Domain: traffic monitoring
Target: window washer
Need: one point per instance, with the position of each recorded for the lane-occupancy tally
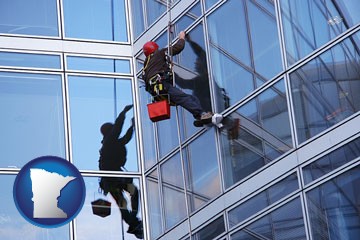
(158, 77)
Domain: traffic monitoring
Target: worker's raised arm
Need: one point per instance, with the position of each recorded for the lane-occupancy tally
(179, 45)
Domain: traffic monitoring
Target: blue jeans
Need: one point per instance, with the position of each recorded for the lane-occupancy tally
(189, 102)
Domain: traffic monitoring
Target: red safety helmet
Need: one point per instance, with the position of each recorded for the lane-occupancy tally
(106, 128)
(150, 47)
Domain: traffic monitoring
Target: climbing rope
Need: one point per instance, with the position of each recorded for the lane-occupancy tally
(169, 31)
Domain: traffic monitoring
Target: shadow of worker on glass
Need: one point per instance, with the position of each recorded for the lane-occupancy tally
(199, 85)
(112, 158)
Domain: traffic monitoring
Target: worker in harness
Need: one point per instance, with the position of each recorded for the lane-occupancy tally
(158, 77)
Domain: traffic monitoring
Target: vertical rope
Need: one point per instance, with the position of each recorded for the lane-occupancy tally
(115, 102)
(169, 30)
(183, 167)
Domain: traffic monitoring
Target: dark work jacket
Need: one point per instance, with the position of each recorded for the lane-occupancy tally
(156, 62)
(113, 151)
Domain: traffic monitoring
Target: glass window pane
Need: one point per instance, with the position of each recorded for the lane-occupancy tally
(30, 17)
(14, 226)
(148, 131)
(310, 24)
(334, 207)
(325, 91)
(172, 172)
(187, 127)
(256, 134)
(173, 191)
(98, 64)
(30, 60)
(268, 5)
(188, 18)
(212, 230)
(90, 226)
(137, 17)
(192, 77)
(154, 211)
(231, 80)
(262, 200)
(248, 209)
(174, 205)
(98, 20)
(332, 161)
(251, 52)
(202, 170)
(154, 9)
(123, 97)
(210, 3)
(168, 136)
(283, 188)
(193, 74)
(235, 44)
(264, 40)
(93, 102)
(32, 117)
(287, 222)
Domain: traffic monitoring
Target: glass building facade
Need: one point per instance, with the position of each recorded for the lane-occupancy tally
(288, 71)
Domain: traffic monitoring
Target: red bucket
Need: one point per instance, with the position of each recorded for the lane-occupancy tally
(159, 110)
(101, 207)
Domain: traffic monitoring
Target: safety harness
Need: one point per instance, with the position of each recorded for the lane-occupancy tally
(155, 84)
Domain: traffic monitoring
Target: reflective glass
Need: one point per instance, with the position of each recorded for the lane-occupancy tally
(30, 17)
(334, 207)
(94, 101)
(233, 44)
(188, 18)
(211, 231)
(202, 170)
(231, 81)
(248, 208)
(168, 137)
(13, 59)
(326, 90)
(238, 56)
(173, 191)
(264, 39)
(283, 188)
(210, 3)
(332, 161)
(14, 226)
(32, 122)
(148, 132)
(262, 200)
(98, 20)
(255, 134)
(98, 64)
(192, 76)
(309, 24)
(267, 4)
(138, 21)
(154, 209)
(284, 223)
(139, 65)
(154, 9)
(90, 225)
(228, 57)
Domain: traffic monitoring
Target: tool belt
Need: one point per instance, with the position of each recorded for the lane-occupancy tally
(156, 87)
